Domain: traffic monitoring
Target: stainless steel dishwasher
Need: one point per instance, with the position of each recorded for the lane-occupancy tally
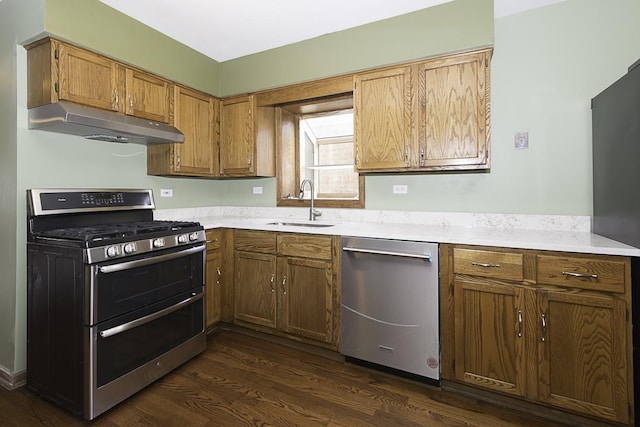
(390, 304)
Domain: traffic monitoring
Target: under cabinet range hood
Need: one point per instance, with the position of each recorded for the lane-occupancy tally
(92, 123)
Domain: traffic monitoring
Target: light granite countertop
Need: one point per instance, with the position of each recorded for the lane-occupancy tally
(540, 232)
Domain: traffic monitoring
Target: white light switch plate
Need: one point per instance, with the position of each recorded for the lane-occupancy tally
(166, 192)
(257, 190)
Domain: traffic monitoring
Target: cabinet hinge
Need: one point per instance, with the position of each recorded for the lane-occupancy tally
(55, 87)
(56, 54)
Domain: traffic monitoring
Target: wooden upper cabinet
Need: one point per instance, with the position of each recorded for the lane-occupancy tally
(196, 115)
(59, 71)
(452, 112)
(430, 115)
(247, 138)
(87, 78)
(147, 96)
(383, 119)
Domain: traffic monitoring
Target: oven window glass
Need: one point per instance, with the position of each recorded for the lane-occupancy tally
(127, 290)
(121, 353)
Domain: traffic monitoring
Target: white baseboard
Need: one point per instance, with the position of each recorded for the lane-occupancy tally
(11, 380)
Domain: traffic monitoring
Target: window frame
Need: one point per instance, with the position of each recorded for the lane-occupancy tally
(288, 178)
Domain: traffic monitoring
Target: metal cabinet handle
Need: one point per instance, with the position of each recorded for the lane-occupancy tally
(544, 327)
(484, 264)
(219, 273)
(273, 279)
(284, 281)
(591, 276)
(519, 323)
(130, 104)
(422, 155)
(115, 92)
(212, 241)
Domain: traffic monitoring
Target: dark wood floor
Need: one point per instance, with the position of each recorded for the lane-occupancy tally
(246, 381)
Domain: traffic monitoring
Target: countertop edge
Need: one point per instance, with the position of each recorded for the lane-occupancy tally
(562, 241)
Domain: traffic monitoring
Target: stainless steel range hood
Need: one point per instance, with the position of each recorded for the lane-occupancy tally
(91, 123)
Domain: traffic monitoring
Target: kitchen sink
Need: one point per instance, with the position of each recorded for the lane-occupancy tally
(300, 224)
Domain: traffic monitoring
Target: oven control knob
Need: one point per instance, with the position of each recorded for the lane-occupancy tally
(158, 243)
(193, 236)
(113, 251)
(183, 238)
(129, 248)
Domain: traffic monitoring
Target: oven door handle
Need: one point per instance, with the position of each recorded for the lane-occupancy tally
(151, 260)
(149, 318)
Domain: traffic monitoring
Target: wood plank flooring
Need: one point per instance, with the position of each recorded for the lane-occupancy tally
(243, 380)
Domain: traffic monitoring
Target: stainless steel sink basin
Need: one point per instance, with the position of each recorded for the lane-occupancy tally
(300, 224)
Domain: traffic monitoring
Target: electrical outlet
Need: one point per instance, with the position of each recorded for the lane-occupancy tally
(399, 189)
(166, 192)
(257, 190)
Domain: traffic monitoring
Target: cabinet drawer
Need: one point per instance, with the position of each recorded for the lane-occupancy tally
(499, 265)
(299, 245)
(214, 239)
(594, 273)
(255, 241)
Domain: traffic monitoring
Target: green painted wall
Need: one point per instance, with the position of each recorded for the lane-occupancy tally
(18, 19)
(547, 65)
(94, 25)
(454, 26)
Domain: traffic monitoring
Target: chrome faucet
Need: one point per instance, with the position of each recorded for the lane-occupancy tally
(313, 213)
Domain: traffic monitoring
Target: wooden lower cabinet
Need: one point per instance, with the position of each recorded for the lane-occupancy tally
(218, 277)
(290, 295)
(582, 360)
(213, 277)
(306, 307)
(567, 345)
(255, 294)
(489, 344)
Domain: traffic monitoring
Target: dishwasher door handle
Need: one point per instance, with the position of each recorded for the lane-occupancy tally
(377, 252)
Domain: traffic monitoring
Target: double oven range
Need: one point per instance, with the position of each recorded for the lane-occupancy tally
(115, 300)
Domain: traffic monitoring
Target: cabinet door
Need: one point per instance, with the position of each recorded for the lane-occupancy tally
(237, 137)
(305, 288)
(383, 119)
(214, 286)
(582, 353)
(87, 78)
(196, 117)
(147, 96)
(255, 297)
(489, 335)
(452, 114)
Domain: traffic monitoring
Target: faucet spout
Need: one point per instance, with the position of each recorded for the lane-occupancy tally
(313, 213)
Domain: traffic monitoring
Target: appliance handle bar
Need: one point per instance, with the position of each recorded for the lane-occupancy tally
(377, 252)
(149, 318)
(151, 260)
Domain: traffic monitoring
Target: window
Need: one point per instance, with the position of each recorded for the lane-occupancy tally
(315, 141)
(326, 155)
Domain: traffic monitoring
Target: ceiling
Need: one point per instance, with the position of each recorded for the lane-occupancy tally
(228, 29)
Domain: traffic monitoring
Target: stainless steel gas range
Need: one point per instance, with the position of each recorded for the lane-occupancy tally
(115, 300)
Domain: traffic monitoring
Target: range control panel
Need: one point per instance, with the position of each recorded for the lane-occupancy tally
(45, 202)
